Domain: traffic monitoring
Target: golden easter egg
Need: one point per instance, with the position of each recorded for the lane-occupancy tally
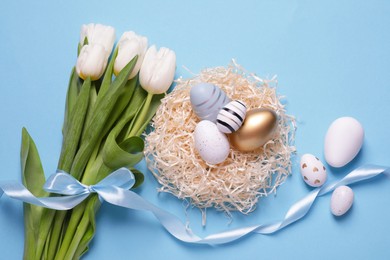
(258, 127)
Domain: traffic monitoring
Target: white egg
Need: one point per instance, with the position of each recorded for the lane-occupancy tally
(312, 170)
(231, 117)
(212, 145)
(343, 141)
(207, 100)
(341, 201)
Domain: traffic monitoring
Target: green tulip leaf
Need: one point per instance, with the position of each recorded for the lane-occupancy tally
(138, 97)
(139, 177)
(121, 104)
(71, 97)
(33, 179)
(101, 113)
(156, 101)
(125, 154)
(107, 78)
(74, 127)
(80, 46)
(110, 91)
(92, 101)
(135, 105)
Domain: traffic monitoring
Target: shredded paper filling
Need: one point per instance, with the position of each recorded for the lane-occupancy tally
(243, 178)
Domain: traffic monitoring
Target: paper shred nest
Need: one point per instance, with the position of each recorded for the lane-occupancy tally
(239, 182)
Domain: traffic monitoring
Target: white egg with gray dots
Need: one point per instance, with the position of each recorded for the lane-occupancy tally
(207, 100)
(341, 200)
(231, 117)
(212, 145)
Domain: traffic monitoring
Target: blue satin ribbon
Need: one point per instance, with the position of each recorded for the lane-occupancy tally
(114, 189)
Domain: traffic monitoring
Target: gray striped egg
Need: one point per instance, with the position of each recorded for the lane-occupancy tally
(207, 100)
(231, 117)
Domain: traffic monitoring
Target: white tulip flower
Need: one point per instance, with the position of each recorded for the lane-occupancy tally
(156, 76)
(158, 70)
(130, 45)
(91, 62)
(98, 34)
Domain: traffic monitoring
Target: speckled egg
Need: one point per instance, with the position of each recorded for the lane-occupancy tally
(313, 170)
(231, 117)
(212, 145)
(207, 100)
(341, 200)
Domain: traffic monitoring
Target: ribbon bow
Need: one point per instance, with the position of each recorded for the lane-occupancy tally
(64, 184)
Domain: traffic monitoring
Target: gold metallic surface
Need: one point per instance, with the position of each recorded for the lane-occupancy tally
(258, 127)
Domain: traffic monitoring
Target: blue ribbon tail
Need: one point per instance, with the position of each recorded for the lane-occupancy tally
(176, 228)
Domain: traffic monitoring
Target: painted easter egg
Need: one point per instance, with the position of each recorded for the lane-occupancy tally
(341, 200)
(231, 117)
(207, 100)
(312, 170)
(258, 127)
(343, 141)
(212, 145)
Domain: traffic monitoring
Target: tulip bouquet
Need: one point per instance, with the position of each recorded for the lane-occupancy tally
(112, 96)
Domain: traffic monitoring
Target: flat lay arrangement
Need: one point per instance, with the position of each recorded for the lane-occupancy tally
(216, 159)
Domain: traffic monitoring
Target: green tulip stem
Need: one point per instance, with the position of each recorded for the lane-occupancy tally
(44, 229)
(139, 120)
(91, 207)
(81, 228)
(94, 163)
(74, 222)
(56, 232)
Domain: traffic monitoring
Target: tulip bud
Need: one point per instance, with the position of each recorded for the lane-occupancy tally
(130, 45)
(157, 70)
(98, 34)
(91, 62)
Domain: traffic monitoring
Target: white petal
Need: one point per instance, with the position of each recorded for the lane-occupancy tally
(91, 61)
(158, 70)
(99, 34)
(129, 46)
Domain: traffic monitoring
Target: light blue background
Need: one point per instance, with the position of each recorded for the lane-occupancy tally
(332, 59)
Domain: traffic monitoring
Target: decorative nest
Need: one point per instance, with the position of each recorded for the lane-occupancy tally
(244, 177)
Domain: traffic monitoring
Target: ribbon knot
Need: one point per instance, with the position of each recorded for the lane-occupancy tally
(64, 184)
(91, 189)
